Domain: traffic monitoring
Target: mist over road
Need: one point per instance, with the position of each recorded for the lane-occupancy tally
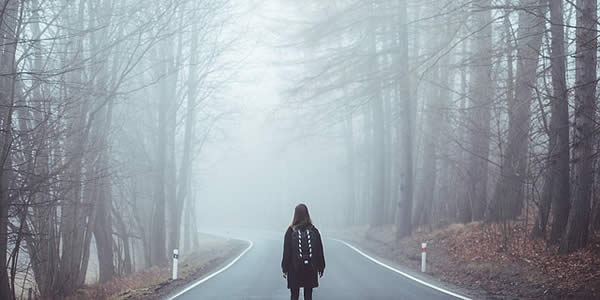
(348, 275)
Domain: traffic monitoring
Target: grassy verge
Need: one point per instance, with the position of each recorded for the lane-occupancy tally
(155, 283)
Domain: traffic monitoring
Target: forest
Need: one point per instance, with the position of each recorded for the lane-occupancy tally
(416, 114)
(460, 111)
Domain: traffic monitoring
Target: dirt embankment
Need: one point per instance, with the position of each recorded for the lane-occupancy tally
(155, 283)
(479, 258)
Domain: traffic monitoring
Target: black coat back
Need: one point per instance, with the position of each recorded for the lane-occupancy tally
(307, 279)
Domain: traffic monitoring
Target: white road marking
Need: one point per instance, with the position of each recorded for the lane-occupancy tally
(404, 274)
(214, 273)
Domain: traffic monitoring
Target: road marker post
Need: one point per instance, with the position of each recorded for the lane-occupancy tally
(195, 284)
(411, 277)
(423, 256)
(175, 259)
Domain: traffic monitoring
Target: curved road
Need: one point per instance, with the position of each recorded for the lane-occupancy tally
(348, 275)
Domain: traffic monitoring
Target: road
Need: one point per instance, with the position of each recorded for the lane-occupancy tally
(348, 275)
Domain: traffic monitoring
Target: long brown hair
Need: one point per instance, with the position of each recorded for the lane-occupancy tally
(301, 216)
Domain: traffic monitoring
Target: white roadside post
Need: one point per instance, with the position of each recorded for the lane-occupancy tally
(175, 258)
(423, 256)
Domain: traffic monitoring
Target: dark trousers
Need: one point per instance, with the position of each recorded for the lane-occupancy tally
(296, 293)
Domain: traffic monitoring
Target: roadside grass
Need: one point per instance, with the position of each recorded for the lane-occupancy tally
(156, 283)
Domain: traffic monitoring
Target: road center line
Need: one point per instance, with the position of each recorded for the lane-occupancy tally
(195, 284)
(402, 273)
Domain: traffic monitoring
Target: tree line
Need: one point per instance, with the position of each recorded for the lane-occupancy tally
(458, 111)
(105, 104)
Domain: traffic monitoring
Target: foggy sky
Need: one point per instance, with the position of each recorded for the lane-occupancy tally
(263, 166)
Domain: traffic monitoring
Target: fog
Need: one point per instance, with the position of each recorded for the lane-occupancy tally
(131, 128)
(265, 165)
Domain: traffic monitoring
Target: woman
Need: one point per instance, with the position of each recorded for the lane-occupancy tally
(303, 256)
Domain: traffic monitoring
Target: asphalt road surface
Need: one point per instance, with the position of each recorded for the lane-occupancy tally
(348, 275)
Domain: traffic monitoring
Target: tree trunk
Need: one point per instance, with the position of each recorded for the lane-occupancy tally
(431, 126)
(103, 233)
(378, 201)
(158, 234)
(43, 260)
(507, 200)
(10, 27)
(5, 292)
(387, 91)
(596, 215)
(556, 179)
(405, 204)
(103, 204)
(368, 161)
(187, 225)
(124, 235)
(190, 122)
(103, 226)
(481, 99)
(350, 161)
(75, 213)
(583, 140)
(174, 201)
(560, 105)
(464, 212)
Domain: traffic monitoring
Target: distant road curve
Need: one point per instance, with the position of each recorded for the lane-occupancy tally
(350, 274)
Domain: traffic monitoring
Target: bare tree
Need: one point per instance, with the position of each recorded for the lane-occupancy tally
(404, 101)
(576, 236)
(508, 197)
(556, 181)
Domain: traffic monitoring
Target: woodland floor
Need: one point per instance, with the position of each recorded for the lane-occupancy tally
(155, 283)
(474, 257)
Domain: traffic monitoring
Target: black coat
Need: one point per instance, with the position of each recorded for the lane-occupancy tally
(307, 279)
